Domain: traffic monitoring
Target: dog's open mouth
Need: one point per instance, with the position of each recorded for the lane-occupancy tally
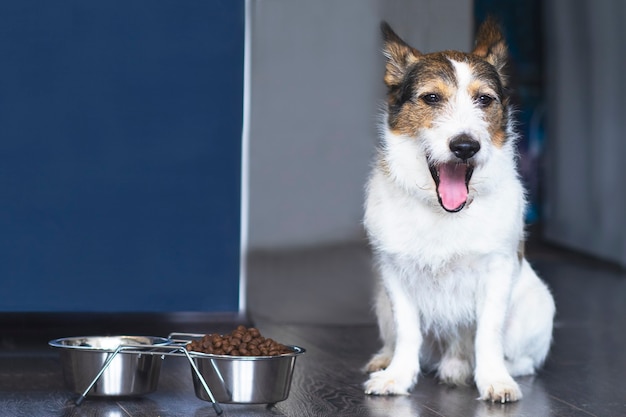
(452, 181)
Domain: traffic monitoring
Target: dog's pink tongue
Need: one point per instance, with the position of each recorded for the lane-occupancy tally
(452, 188)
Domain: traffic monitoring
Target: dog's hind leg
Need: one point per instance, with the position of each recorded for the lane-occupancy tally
(528, 331)
(387, 332)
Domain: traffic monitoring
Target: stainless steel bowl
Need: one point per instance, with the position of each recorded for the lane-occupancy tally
(245, 379)
(129, 374)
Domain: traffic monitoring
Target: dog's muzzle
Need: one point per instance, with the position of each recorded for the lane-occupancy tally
(452, 178)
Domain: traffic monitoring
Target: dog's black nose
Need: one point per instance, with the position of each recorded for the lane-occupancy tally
(464, 146)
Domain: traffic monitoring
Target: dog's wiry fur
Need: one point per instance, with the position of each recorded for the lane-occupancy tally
(444, 214)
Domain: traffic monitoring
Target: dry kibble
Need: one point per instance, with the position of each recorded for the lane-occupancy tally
(242, 341)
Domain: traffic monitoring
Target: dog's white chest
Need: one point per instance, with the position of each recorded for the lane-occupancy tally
(446, 299)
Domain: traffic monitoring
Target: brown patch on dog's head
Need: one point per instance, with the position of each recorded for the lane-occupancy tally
(406, 69)
(427, 86)
(499, 138)
(489, 82)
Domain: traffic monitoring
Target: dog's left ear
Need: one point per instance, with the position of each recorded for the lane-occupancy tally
(490, 44)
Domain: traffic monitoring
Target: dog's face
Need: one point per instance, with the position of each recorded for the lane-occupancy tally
(447, 114)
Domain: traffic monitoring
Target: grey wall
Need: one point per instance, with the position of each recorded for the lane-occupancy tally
(315, 92)
(585, 176)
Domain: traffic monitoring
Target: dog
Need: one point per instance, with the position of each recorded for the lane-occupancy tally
(444, 215)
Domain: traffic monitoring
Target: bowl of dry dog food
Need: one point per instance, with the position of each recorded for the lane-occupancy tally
(243, 367)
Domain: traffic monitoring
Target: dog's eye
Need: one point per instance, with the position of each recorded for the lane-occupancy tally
(484, 100)
(431, 98)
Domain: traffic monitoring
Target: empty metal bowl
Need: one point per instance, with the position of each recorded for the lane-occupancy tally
(129, 374)
(245, 379)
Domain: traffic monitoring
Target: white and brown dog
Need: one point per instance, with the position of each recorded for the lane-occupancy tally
(445, 217)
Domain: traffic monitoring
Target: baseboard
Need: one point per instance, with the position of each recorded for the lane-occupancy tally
(20, 328)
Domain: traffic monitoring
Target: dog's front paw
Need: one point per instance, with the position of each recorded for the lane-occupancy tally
(501, 391)
(388, 382)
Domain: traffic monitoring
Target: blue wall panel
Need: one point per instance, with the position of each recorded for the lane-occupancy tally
(120, 149)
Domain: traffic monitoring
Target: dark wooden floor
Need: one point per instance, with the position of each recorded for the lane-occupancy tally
(584, 375)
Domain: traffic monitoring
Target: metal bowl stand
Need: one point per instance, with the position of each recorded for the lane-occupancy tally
(176, 348)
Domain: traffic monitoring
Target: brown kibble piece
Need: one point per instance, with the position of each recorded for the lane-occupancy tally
(240, 342)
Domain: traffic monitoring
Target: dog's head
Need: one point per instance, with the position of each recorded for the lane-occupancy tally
(449, 110)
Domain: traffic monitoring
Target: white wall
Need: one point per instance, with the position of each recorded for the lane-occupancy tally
(315, 89)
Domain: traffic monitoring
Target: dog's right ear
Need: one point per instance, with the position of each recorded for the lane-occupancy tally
(399, 56)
